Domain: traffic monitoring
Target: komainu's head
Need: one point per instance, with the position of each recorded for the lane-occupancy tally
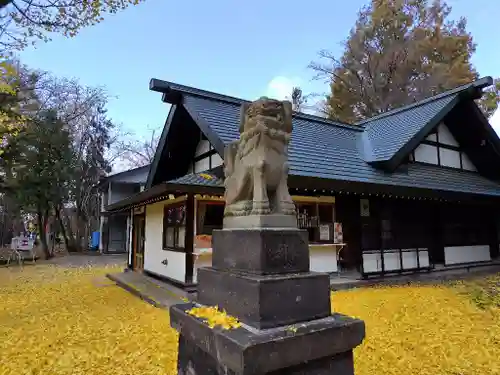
(270, 113)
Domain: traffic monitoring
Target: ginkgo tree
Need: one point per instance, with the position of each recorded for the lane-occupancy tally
(26, 22)
(399, 52)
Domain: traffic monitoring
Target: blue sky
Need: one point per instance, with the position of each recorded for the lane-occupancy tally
(239, 49)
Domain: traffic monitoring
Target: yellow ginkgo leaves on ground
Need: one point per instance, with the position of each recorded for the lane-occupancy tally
(422, 330)
(70, 321)
(73, 321)
(215, 317)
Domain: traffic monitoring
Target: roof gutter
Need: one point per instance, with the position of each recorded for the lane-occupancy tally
(160, 192)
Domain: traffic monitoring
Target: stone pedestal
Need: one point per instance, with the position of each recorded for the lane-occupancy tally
(261, 276)
(319, 347)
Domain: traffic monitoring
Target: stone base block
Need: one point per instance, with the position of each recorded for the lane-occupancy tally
(318, 347)
(260, 221)
(265, 301)
(261, 251)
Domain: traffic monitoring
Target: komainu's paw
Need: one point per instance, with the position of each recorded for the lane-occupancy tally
(287, 208)
(260, 211)
(260, 208)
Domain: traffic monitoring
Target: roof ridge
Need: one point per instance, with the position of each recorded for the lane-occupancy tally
(128, 170)
(479, 83)
(171, 88)
(167, 87)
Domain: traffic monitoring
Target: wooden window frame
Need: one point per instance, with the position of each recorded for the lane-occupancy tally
(208, 202)
(175, 225)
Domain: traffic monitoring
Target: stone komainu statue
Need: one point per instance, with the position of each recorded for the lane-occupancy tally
(256, 165)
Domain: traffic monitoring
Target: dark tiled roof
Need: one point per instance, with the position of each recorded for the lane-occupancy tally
(201, 179)
(324, 149)
(319, 149)
(391, 132)
(132, 176)
(380, 142)
(222, 117)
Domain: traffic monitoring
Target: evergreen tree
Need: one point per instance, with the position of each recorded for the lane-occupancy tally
(40, 170)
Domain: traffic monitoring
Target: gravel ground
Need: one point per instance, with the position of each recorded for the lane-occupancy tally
(82, 260)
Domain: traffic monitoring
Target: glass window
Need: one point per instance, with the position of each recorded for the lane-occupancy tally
(210, 216)
(174, 227)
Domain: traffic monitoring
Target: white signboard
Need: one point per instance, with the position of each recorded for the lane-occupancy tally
(324, 232)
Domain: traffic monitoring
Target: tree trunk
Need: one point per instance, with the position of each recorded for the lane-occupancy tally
(69, 239)
(43, 234)
(62, 228)
(80, 229)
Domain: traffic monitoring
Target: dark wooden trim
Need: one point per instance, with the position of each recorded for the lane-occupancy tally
(318, 186)
(175, 226)
(442, 145)
(161, 145)
(174, 249)
(205, 155)
(413, 143)
(162, 190)
(135, 241)
(446, 167)
(189, 240)
(207, 130)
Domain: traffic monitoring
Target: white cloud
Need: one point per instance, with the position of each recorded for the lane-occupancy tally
(280, 87)
(495, 121)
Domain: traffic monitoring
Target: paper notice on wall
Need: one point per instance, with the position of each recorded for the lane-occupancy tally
(338, 236)
(324, 232)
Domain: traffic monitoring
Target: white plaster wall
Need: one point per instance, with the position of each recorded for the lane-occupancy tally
(154, 254)
(203, 146)
(216, 160)
(392, 261)
(410, 259)
(372, 262)
(431, 137)
(426, 154)
(467, 164)
(424, 257)
(202, 165)
(466, 254)
(207, 163)
(323, 260)
(445, 136)
(449, 158)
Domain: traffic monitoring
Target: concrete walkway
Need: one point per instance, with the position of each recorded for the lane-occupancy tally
(164, 295)
(86, 259)
(431, 277)
(157, 293)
